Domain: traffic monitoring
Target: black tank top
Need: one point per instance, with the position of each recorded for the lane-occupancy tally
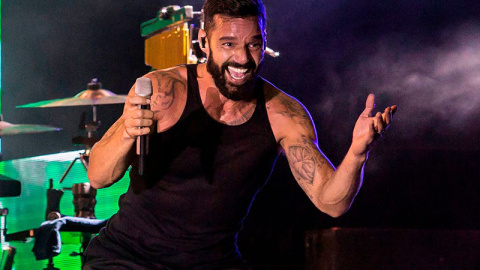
(201, 179)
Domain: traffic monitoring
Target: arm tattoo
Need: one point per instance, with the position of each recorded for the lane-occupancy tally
(302, 162)
(168, 82)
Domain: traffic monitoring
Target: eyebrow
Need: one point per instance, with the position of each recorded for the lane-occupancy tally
(227, 38)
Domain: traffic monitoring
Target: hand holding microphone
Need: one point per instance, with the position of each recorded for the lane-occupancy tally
(143, 88)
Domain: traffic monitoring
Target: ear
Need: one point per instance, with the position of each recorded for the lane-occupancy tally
(203, 41)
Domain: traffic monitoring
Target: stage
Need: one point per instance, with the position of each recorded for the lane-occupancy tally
(28, 210)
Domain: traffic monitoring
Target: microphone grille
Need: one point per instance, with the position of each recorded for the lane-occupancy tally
(143, 87)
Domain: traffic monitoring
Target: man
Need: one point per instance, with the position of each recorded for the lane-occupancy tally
(216, 130)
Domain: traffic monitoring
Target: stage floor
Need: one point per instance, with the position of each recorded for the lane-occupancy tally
(28, 210)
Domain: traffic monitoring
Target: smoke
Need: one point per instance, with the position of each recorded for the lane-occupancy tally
(435, 80)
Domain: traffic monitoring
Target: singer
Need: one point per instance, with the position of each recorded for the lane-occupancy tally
(215, 130)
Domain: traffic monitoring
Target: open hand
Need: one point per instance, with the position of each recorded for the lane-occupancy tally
(370, 128)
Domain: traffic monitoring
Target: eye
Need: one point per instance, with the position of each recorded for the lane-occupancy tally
(255, 46)
(227, 44)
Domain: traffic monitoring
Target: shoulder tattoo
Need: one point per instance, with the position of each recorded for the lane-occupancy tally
(167, 83)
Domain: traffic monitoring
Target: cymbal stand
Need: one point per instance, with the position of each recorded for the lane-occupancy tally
(7, 252)
(91, 128)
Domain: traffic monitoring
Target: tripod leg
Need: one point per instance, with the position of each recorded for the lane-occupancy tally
(8, 254)
(68, 170)
(84, 160)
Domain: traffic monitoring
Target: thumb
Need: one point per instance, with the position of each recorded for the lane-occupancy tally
(369, 105)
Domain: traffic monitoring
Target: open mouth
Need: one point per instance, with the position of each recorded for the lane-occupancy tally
(237, 74)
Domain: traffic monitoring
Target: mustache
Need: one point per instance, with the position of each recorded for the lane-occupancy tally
(249, 65)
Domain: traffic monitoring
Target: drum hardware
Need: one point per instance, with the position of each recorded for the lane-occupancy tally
(13, 129)
(93, 96)
(53, 202)
(8, 251)
(9, 187)
(50, 265)
(84, 200)
(3, 227)
(6, 260)
(84, 195)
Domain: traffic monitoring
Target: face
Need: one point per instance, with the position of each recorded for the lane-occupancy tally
(235, 55)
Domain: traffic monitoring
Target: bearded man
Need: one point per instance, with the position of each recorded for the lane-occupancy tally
(216, 130)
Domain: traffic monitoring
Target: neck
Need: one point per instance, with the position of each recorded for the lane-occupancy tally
(218, 106)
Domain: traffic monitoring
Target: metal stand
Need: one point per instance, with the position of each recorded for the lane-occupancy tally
(6, 260)
(8, 252)
(83, 158)
(50, 265)
(89, 141)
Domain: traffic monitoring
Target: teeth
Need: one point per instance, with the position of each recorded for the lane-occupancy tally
(238, 70)
(237, 73)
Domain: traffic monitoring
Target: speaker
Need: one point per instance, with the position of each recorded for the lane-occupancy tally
(346, 248)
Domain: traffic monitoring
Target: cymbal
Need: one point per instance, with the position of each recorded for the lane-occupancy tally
(12, 129)
(84, 98)
(93, 95)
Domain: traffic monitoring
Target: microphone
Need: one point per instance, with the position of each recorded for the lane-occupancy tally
(143, 88)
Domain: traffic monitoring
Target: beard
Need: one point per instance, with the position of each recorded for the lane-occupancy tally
(231, 91)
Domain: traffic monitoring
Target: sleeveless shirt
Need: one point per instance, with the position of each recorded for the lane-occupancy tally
(201, 178)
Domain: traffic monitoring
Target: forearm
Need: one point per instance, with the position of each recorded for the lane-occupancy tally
(110, 157)
(339, 190)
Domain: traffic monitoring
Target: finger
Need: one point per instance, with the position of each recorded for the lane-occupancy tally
(137, 100)
(387, 116)
(372, 133)
(369, 105)
(138, 123)
(394, 109)
(135, 132)
(135, 113)
(137, 127)
(378, 122)
(132, 122)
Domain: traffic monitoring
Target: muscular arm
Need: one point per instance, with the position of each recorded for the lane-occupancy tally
(112, 155)
(331, 190)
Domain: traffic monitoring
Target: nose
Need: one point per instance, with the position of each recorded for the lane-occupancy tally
(242, 55)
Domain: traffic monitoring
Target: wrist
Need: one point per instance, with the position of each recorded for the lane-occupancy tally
(358, 157)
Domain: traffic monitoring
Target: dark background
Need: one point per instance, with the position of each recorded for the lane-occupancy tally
(423, 56)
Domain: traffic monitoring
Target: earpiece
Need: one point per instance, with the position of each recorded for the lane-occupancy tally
(202, 42)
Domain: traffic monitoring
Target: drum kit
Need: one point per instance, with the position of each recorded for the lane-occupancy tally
(84, 195)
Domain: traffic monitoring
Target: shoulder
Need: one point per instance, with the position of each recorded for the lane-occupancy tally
(169, 95)
(169, 86)
(286, 114)
(280, 104)
(163, 79)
